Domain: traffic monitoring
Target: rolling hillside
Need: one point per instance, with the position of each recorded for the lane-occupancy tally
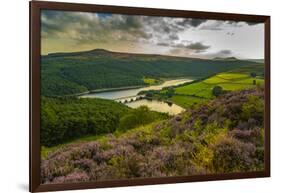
(64, 119)
(223, 136)
(200, 91)
(72, 73)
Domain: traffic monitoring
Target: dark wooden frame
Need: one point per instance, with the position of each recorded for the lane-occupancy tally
(34, 176)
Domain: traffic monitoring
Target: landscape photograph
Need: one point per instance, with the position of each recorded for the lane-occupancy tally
(135, 96)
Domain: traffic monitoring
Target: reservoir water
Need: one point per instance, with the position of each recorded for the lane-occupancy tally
(116, 94)
(159, 106)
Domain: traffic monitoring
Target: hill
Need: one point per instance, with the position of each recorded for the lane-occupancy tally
(223, 136)
(64, 119)
(257, 60)
(77, 72)
(225, 59)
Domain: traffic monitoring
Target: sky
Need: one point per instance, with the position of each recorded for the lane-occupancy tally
(66, 31)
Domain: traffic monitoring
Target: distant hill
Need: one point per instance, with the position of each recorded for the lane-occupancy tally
(225, 59)
(89, 53)
(256, 60)
(77, 72)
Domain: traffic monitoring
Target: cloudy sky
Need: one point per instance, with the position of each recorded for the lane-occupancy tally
(63, 31)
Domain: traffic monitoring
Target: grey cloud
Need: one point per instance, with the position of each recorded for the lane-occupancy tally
(198, 47)
(163, 44)
(72, 25)
(217, 25)
(122, 22)
(219, 54)
(87, 27)
(191, 22)
(180, 52)
(167, 29)
(220, 25)
(175, 51)
(190, 53)
(233, 23)
(173, 37)
(160, 25)
(197, 22)
(251, 23)
(225, 52)
(237, 22)
(230, 33)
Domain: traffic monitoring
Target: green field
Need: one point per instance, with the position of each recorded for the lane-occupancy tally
(201, 91)
(191, 89)
(151, 81)
(186, 101)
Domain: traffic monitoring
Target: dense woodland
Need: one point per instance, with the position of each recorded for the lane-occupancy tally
(221, 136)
(67, 118)
(72, 73)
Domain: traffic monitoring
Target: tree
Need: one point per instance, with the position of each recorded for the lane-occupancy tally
(253, 74)
(217, 90)
(170, 92)
(67, 118)
(139, 116)
(127, 122)
(149, 94)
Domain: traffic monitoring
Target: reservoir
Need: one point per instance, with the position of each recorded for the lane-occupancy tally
(159, 106)
(116, 94)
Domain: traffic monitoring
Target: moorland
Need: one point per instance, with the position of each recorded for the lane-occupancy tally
(220, 129)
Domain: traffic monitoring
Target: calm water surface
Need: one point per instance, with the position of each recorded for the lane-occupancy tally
(154, 105)
(159, 106)
(132, 92)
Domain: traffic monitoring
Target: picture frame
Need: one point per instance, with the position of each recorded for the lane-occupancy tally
(35, 57)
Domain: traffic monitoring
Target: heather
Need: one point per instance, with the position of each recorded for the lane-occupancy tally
(221, 136)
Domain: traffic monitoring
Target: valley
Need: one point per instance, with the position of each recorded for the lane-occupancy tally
(111, 109)
(80, 72)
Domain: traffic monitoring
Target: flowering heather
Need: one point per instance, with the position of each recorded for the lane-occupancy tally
(223, 136)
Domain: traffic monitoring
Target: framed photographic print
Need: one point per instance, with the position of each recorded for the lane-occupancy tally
(123, 96)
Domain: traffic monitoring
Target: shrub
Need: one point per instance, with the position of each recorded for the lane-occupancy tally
(253, 109)
(76, 176)
(231, 155)
(253, 74)
(128, 121)
(140, 116)
(217, 90)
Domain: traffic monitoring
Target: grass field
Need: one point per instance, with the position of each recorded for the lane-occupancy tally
(186, 101)
(191, 89)
(201, 91)
(151, 81)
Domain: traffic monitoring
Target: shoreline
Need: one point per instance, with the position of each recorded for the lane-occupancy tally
(115, 89)
(129, 87)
